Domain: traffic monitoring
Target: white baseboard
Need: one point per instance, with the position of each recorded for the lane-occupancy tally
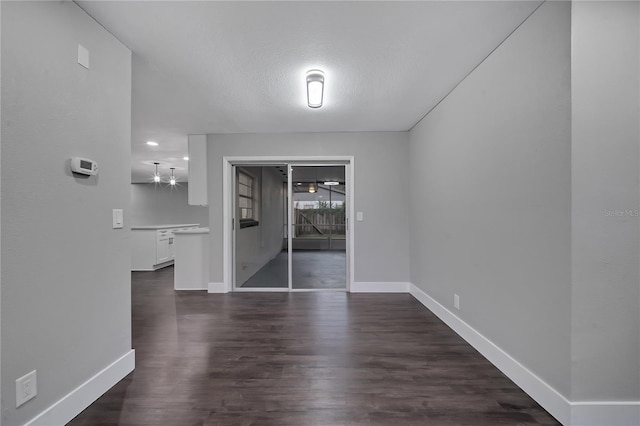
(191, 288)
(154, 267)
(379, 287)
(217, 288)
(609, 413)
(84, 395)
(549, 398)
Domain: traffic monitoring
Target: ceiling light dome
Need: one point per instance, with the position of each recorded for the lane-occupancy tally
(315, 88)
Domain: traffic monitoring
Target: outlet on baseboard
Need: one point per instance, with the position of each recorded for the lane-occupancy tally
(26, 388)
(456, 301)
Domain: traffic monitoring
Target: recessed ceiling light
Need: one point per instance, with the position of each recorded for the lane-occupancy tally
(185, 158)
(331, 183)
(152, 143)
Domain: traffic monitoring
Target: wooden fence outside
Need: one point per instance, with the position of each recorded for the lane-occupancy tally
(319, 222)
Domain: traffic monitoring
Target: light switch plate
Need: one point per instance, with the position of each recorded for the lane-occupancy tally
(359, 216)
(83, 56)
(118, 218)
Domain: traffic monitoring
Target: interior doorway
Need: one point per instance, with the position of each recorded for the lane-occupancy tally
(289, 226)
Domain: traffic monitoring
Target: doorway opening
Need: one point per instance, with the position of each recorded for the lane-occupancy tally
(289, 226)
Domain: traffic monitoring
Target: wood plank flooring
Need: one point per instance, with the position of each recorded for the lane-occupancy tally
(301, 359)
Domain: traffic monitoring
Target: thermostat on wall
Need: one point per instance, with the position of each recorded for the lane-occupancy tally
(84, 166)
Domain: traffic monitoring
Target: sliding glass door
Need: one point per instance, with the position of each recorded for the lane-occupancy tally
(290, 227)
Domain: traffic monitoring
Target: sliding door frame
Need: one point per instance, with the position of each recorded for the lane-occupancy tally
(228, 205)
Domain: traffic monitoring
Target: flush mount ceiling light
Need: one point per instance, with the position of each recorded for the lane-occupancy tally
(172, 179)
(152, 143)
(332, 183)
(315, 88)
(156, 176)
(185, 158)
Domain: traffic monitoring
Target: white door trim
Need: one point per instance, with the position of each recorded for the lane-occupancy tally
(227, 204)
(289, 226)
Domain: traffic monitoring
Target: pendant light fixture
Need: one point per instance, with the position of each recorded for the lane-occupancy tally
(315, 88)
(156, 176)
(172, 179)
(313, 187)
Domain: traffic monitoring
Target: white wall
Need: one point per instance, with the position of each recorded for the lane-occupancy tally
(490, 183)
(0, 228)
(257, 245)
(381, 192)
(66, 308)
(606, 201)
(153, 204)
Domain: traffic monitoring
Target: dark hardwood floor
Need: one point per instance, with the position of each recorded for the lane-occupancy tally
(301, 359)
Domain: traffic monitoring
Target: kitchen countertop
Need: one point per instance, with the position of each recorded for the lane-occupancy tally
(192, 231)
(153, 227)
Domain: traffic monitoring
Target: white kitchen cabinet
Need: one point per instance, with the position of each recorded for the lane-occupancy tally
(153, 246)
(162, 247)
(172, 247)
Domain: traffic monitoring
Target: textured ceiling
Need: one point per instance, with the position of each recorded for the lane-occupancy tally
(238, 67)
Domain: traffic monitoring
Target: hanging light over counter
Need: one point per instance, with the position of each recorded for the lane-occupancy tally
(156, 176)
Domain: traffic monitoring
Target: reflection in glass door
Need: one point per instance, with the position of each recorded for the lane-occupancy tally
(260, 250)
(318, 227)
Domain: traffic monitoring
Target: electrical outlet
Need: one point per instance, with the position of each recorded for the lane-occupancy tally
(26, 388)
(456, 301)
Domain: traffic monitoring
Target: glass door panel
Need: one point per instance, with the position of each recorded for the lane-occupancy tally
(260, 249)
(318, 230)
